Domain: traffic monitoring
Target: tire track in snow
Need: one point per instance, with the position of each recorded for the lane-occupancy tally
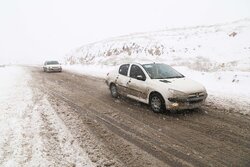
(58, 147)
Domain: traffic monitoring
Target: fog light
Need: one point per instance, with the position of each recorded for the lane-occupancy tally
(175, 104)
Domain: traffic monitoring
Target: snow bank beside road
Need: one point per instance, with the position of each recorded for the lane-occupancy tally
(31, 132)
(15, 97)
(226, 89)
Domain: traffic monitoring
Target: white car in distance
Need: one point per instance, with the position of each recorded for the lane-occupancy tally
(50, 66)
(156, 84)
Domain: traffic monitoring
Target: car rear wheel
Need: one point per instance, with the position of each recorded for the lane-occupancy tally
(113, 90)
(157, 103)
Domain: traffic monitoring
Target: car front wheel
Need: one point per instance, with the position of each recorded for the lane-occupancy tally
(113, 90)
(157, 103)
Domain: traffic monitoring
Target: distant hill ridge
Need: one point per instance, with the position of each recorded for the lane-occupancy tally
(218, 47)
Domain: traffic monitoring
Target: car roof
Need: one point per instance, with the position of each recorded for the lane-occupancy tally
(142, 63)
(130, 63)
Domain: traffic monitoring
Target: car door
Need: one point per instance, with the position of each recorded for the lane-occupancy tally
(137, 86)
(122, 79)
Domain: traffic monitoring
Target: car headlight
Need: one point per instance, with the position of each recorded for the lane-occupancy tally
(176, 93)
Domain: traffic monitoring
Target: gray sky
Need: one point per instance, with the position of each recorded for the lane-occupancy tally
(33, 31)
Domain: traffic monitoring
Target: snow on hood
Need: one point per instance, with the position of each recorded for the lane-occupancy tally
(183, 84)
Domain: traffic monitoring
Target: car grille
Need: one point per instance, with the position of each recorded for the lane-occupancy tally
(192, 98)
(196, 97)
(54, 68)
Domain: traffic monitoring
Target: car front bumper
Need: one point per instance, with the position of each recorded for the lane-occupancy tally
(54, 69)
(191, 102)
(183, 105)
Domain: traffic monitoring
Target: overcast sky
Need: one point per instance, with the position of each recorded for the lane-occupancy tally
(33, 31)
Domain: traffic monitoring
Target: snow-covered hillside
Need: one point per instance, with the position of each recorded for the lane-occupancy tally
(202, 48)
(218, 56)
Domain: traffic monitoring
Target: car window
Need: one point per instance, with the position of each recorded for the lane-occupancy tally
(123, 70)
(52, 62)
(161, 71)
(135, 71)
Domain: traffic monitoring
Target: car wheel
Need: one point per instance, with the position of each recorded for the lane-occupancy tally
(113, 90)
(157, 103)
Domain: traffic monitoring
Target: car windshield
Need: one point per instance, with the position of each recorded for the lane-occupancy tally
(52, 62)
(161, 71)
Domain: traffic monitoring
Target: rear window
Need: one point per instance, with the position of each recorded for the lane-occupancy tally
(123, 70)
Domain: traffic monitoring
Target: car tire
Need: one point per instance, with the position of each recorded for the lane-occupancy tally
(157, 103)
(113, 91)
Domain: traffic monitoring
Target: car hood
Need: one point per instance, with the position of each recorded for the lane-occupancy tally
(184, 85)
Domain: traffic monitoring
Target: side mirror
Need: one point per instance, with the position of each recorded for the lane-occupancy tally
(140, 77)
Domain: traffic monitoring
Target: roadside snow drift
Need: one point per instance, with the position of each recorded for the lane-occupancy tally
(31, 132)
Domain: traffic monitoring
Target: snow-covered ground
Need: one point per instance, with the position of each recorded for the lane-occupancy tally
(31, 132)
(217, 56)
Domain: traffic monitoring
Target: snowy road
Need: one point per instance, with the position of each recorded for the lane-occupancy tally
(71, 120)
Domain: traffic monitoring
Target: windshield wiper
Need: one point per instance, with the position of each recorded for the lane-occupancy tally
(174, 77)
(169, 77)
(179, 77)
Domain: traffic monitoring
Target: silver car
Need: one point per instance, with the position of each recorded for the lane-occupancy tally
(50, 66)
(156, 84)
